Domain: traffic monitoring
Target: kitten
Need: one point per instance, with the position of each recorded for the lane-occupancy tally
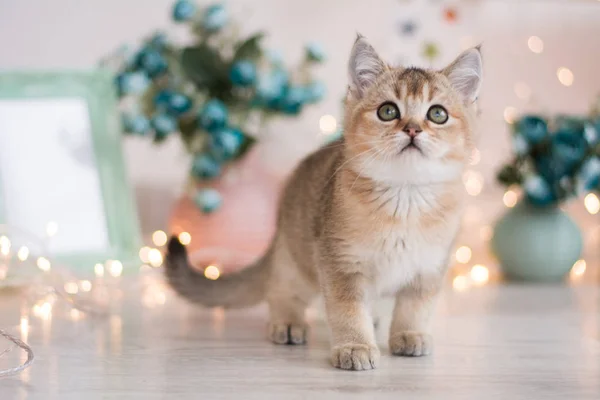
(373, 213)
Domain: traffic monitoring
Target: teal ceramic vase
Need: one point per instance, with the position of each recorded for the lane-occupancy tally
(536, 244)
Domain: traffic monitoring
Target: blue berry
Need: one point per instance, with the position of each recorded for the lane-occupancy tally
(215, 17)
(183, 10)
(163, 125)
(226, 143)
(213, 115)
(205, 166)
(315, 52)
(243, 73)
(208, 200)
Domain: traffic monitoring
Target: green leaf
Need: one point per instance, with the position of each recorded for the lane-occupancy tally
(246, 145)
(205, 67)
(249, 49)
(509, 175)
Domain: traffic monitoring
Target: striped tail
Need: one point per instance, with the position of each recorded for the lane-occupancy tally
(236, 290)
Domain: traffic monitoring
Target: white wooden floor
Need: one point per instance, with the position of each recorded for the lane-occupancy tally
(495, 342)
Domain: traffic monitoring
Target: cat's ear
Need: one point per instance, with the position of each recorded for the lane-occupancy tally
(364, 66)
(465, 74)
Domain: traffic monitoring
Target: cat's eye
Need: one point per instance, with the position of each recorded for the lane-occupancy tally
(437, 114)
(388, 112)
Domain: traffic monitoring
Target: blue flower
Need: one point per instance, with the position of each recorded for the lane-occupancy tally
(271, 88)
(315, 52)
(243, 73)
(205, 166)
(538, 191)
(208, 200)
(215, 17)
(225, 143)
(151, 61)
(163, 125)
(589, 174)
(136, 124)
(132, 83)
(551, 168)
(569, 147)
(213, 115)
(534, 129)
(294, 99)
(315, 91)
(183, 10)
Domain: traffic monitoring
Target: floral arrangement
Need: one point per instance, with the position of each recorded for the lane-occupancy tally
(216, 93)
(555, 158)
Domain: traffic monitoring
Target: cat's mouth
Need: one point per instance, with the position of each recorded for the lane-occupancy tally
(412, 146)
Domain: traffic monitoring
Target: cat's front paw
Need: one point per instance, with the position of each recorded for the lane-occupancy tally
(356, 357)
(411, 344)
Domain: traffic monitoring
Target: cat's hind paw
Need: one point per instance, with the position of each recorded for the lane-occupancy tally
(287, 333)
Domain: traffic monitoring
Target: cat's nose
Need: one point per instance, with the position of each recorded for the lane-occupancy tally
(412, 129)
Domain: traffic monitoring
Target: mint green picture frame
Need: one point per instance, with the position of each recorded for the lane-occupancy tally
(97, 89)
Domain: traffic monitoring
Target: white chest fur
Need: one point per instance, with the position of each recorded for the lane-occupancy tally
(403, 255)
(398, 253)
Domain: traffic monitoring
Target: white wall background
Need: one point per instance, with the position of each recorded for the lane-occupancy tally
(57, 34)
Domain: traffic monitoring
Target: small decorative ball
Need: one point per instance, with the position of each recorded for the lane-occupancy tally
(293, 101)
(137, 124)
(315, 52)
(179, 104)
(151, 61)
(183, 10)
(213, 116)
(163, 125)
(243, 73)
(431, 51)
(215, 17)
(315, 91)
(538, 191)
(408, 28)
(450, 15)
(208, 200)
(132, 83)
(534, 129)
(225, 143)
(205, 166)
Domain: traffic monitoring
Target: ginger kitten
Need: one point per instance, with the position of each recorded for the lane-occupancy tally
(374, 213)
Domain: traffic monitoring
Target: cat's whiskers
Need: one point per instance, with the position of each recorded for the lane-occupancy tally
(347, 161)
(368, 161)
